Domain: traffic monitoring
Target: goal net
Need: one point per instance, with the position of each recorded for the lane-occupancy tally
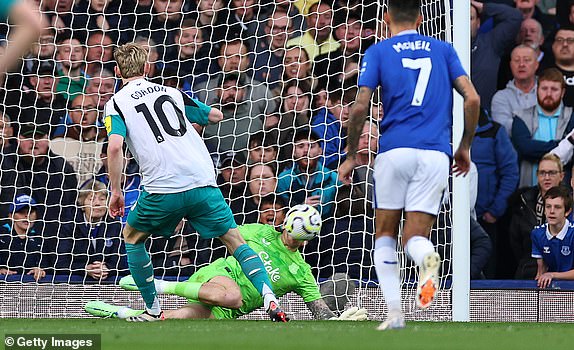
(258, 62)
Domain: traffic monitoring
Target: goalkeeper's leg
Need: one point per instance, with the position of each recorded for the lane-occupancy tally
(105, 310)
(218, 291)
(254, 270)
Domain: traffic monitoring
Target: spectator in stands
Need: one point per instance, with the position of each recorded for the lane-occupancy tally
(526, 210)
(553, 243)
(488, 48)
(308, 181)
(79, 143)
(43, 175)
(263, 148)
(480, 249)
(59, 13)
(563, 50)
(6, 135)
(233, 58)
(91, 245)
(330, 124)
(232, 175)
(317, 39)
(531, 36)
(329, 68)
(40, 104)
(272, 210)
(99, 53)
(193, 57)
(101, 16)
(241, 115)
(43, 49)
(101, 86)
(293, 12)
(520, 92)
(297, 68)
(261, 181)
(497, 167)
(537, 130)
(245, 16)
(211, 19)
(70, 55)
(294, 113)
(547, 6)
(356, 199)
(130, 181)
(270, 49)
(529, 10)
(20, 242)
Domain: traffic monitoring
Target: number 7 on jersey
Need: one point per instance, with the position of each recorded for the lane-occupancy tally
(425, 67)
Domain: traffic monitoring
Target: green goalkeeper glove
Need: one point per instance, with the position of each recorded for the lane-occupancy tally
(352, 314)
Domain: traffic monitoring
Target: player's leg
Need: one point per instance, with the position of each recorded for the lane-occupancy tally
(424, 198)
(190, 311)
(141, 269)
(158, 214)
(212, 218)
(387, 265)
(392, 173)
(254, 270)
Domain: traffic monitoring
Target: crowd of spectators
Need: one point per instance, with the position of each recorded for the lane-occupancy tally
(284, 74)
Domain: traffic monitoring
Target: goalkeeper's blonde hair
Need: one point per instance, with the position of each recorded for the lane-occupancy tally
(131, 59)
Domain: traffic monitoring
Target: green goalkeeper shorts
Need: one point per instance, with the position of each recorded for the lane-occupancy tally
(204, 207)
(217, 268)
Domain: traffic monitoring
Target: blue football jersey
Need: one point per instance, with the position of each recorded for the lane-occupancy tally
(416, 74)
(556, 251)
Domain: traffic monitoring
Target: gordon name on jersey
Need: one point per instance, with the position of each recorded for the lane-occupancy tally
(156, 122)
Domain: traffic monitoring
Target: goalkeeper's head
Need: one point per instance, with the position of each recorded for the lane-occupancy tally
(131, 60)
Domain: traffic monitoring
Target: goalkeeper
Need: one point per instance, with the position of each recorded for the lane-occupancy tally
(222, 291)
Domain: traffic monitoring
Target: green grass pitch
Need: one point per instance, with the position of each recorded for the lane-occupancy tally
(301, 335)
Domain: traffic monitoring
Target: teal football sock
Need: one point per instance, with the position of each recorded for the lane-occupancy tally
(142, 271)
(253, 268)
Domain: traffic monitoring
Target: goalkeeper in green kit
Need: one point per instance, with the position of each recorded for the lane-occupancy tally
(222, 291)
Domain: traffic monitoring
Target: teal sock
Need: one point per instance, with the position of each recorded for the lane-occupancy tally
(253, 268)
(140, 267)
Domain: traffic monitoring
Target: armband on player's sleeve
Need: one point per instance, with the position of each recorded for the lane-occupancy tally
(115, 125)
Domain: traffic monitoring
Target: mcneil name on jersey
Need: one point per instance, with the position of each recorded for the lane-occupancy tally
(412, 45)
(149, 90)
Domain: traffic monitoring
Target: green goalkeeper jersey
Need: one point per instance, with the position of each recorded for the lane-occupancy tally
(287, 270)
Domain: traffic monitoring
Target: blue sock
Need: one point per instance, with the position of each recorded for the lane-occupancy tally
(141, 269)
(253, 268)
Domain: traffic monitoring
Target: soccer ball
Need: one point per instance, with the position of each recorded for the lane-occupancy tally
(303, 222)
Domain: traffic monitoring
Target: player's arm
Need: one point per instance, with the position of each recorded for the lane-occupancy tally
(465, 88)
(357, 117)
(320, 310)
(115, 161)
(117, 131)
(199, 113)
(26, 26)
(356, 121)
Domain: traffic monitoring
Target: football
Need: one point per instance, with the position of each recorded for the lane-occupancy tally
(303, 222)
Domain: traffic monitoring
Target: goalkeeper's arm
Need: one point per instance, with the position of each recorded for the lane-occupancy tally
(321, 311)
